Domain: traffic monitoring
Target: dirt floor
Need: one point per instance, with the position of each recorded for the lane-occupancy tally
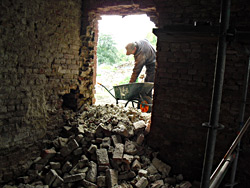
(110, 76)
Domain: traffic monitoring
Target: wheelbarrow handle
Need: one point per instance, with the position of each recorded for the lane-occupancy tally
(106, 89)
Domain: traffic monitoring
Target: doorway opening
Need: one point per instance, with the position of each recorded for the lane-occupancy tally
(114, 67)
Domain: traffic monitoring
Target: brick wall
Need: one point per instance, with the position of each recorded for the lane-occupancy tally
(183, 88)
(40, 62)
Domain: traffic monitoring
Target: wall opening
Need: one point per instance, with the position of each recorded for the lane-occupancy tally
(114, 67)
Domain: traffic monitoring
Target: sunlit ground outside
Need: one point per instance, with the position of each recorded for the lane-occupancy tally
(114, 67)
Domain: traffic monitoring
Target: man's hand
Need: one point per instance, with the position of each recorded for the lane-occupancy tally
(141, 76)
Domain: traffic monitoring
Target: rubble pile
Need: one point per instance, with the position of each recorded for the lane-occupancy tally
(102, 146)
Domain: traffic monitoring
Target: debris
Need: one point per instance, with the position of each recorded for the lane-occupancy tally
(101, 147)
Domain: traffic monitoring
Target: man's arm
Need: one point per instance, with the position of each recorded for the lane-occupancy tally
(139, 63)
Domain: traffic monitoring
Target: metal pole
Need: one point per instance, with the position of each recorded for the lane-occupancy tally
(215, 182)
(232, 147)
(241, 122)
(217, 94)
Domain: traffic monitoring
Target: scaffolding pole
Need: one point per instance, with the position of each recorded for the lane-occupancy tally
(217, 94)
(241, 122)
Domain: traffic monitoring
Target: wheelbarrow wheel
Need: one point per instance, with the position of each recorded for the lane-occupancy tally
(143, 107)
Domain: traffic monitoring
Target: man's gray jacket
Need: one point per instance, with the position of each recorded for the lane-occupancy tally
(144, 56)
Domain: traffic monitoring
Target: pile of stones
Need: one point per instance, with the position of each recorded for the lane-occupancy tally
(101, 146)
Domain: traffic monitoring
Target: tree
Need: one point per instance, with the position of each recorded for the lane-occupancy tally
(106, 51)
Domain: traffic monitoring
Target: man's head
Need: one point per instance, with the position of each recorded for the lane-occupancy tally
(131, 48)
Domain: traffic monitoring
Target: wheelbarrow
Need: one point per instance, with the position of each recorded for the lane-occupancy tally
(134, 93)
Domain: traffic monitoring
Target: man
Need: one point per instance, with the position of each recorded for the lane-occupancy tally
(144, 55)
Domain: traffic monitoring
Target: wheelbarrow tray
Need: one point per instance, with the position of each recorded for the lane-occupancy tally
(132, 91)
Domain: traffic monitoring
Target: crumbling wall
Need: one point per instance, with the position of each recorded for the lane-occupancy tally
(40, 63)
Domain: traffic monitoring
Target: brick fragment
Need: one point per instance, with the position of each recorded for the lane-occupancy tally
(127, 175)
(102, 157)
(55, 165)
(142, 183)
(117, 139)
(122, 130)
(102, 168)
(79, 138)
(157, 184)
(58, 182)
(101, 181)
(78, 151)
(106, 142)
(92, 149)
(143, 172)
(53, 179)
(112, 178)
(151, 169)
(161, 166)
(118, 152)
(139, 126)
(88, 184)
(154, 177)
(130, 147)
(72, 144)
(186, 184)
(136, 165)
(66, 167)
(74, 177)
(127, 158)
(170, 180)
(48, 153)
(140, 139)
(92, 172)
